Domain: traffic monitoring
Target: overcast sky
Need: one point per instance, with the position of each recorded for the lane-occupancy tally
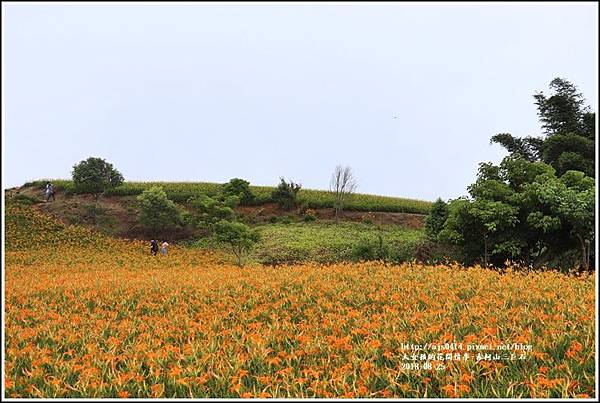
(408, 95)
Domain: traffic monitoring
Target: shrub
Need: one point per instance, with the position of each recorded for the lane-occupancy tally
(241, 189)
(238, 236)
(273, 219)
(371, 249)
(287, 219)
(157, 212)
(436, 218)
(286, 194)
(206, 211)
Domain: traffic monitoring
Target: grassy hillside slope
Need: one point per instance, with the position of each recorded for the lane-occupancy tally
(180, 192)
(329, 242)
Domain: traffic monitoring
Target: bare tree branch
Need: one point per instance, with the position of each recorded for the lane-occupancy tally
(342, 185)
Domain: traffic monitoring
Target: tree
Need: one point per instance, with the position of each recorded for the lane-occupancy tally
(342, 185)
(481, 228)
(523, 211)
(568, 151)
(239, 188)
(570, 200)
(568, 128)
(286, 194)
(434, 222)
(95, 176)
(206, 211)
(529, 148)
(563, 111)
(157, 212)
(237, 236)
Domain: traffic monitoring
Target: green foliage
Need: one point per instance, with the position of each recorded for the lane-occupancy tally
(205, 211)
(436, 218)
(99, 217)
(481, 227)
(23, 200)
(562, 112)
(240, 189)
(522, 211)
(529, 148)
(570, 201)
(286, 194)
(570, 151)
(371, 249)
(569, 130)
(181, 192)
(157, 212)
(328, 242)
(547, 184)
(238, 237)
(286, 219)
(95, 176)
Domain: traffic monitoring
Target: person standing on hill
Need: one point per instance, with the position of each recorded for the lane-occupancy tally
(163, 248)
(153, 247)
(49, 192)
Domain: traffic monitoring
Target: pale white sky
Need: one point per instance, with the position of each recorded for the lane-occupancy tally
(207, 92)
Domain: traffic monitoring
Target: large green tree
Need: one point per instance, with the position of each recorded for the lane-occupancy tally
(95, 175)
(568, 131)
(522, 211)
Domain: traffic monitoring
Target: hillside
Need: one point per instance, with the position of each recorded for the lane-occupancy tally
(116, 212)
(180, 192)
(286, 236)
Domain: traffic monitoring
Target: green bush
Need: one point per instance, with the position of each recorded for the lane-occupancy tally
(239, 188)
(436, 219)
(238, 237)
(286, 194)
(205, 211)
(371, 249)
(157, 212)
(286, 219)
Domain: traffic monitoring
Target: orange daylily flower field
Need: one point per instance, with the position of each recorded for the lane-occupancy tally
(90, 316)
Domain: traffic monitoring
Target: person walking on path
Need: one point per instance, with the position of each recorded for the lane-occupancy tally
(153, 247)
(49, 192)
(163, 248)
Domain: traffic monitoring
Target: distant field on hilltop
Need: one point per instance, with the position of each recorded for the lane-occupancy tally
(180, 192)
